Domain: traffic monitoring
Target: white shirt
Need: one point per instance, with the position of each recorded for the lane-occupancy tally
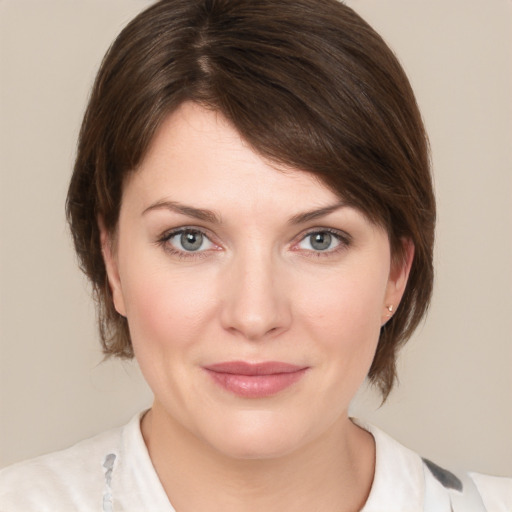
(112, 472)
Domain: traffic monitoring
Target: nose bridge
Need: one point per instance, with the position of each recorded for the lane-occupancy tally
(255, 302)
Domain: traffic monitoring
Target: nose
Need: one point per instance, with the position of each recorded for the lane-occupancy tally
(255, 301)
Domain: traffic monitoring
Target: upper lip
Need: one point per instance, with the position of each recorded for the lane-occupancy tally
(246, 368)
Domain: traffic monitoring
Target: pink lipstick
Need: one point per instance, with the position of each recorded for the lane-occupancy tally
(255, 380)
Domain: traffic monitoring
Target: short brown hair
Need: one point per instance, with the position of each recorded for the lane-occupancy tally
(307, 83)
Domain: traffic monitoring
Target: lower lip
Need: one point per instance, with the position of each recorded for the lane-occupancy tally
(256, 386)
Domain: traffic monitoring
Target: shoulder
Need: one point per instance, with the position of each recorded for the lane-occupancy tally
(467, 492)
(428, 487)
(496, 491)
(71, 479)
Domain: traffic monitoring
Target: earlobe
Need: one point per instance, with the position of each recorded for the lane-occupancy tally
(111, 266)
(398, 277)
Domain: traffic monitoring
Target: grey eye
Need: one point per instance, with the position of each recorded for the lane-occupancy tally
(320, 241)
(187, 241)
(191, 240)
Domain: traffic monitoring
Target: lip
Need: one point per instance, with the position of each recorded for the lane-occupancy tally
(255, 380)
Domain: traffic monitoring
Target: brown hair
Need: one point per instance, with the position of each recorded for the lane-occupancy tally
(307, 83)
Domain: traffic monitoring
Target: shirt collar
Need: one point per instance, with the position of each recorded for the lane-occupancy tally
(398, 482)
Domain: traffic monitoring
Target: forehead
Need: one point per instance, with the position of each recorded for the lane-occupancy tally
(197, 153)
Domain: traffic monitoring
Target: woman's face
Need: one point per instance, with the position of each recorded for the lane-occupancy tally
(254, 297)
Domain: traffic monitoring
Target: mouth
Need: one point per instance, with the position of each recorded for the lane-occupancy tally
(255, 380)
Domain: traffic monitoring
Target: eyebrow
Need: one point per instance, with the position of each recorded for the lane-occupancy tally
(197, 213)
(300, 218)
(212, 217)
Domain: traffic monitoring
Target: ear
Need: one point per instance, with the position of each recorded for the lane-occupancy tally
(110, 259)
(398, 276)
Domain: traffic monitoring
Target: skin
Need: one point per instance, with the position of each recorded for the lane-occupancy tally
(256, 290)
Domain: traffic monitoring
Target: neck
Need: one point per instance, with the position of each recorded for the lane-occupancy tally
(333, 473)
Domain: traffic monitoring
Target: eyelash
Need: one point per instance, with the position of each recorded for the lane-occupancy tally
(184, 255)
(344, 239)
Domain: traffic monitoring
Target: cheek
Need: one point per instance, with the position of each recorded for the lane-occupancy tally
(342, 318)
(165, 309)
(347, 306)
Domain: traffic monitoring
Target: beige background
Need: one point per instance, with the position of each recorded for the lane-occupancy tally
(454, 404)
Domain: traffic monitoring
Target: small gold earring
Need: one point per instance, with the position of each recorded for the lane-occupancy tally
(390, 309)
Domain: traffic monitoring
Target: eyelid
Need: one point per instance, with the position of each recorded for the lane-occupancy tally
(167, 235)
(343, 237)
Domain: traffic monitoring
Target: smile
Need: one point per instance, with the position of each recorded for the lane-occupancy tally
(259, 380)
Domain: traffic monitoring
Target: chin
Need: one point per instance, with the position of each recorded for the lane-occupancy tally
(261, 435)
(259, 447)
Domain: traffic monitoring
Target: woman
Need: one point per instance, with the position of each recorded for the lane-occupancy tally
(252, 202)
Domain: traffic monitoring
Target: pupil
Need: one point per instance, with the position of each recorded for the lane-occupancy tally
(191, 241)
(321, 241)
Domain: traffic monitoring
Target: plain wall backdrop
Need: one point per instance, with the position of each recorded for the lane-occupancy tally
(454, 402)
